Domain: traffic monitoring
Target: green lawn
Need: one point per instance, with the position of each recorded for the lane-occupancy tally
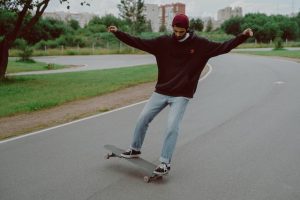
(18, 66)
(21, 94)
(281, 53)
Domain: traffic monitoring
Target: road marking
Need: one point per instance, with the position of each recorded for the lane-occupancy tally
(91, 117)
(279, 82)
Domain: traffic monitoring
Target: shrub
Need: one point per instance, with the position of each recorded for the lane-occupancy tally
(26, 51)
(26, 54)
(278, 43)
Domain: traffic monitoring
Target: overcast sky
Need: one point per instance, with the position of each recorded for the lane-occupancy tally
(194, 8)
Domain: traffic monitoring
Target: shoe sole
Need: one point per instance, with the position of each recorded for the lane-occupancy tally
(160, 174)
(131, 156)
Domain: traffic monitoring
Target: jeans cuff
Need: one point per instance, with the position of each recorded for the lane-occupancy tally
(164, 160)
(136, 149)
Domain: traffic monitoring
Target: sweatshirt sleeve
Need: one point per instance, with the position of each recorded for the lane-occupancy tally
(148, 45)
(215, 48)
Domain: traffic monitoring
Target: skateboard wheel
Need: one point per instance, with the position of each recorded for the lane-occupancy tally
(147, 179)
(106, 156)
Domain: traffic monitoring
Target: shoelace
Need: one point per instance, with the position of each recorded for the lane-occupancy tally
(163, 166)
(129, 151)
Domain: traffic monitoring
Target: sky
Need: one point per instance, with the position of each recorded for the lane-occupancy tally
(194, 8)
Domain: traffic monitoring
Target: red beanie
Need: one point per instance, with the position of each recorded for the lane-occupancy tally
(181, 20)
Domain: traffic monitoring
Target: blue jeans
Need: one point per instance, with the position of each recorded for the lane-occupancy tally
(157, 103)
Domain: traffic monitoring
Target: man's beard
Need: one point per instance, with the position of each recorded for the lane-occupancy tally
(178, 37)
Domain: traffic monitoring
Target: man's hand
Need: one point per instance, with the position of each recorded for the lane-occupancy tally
(112, 29)
(248, 32)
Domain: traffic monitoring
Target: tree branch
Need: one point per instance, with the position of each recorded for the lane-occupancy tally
(40, 8)
(21, 15)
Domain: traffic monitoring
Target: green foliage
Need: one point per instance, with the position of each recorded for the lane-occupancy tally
(288, 27)
(278, 43)
(74, 24)
(106, 20)
(7, 19)
(196, 24)
(233, 26)
(297, 19)
(265, 28)
(55, 34)
(209, 26)
(44, 29)
(95, 28)
(26, 51)
(132, 12)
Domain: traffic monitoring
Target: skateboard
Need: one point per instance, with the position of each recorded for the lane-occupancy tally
(147, 166)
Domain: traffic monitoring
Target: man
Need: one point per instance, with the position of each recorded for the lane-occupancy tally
(180, 58)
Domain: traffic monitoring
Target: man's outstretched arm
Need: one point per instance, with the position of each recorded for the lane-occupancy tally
(149, 46)
(215, 48)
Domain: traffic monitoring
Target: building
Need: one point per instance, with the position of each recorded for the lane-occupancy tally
(82, 18)
(168, 12)
(215, 23)
(152, 14)
(228, 12)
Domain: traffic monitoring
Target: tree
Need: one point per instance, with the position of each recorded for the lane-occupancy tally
(74, 24)
(163, 28)
(196, 24)
(100, 24)
(297, 20)
(132, 11)
(6, 23)
(233, 26)
(20, 26)
(209, 25)
(288, 26)
(268, 28)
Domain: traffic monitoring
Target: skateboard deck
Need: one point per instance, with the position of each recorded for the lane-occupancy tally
(147, 166)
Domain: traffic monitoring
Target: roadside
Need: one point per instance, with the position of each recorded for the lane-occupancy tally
(297, 60)
(26, 123)
(292, 54)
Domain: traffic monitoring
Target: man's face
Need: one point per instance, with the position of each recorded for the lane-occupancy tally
(179, 33)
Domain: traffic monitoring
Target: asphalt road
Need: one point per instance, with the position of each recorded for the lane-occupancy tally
(93, 62)
(240, 140)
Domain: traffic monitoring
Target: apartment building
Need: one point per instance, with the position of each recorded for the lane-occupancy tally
(228, 12)
(168, 11)
(152, 14)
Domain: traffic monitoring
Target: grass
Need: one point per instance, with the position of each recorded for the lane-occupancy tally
(23, 94)
(18, 66)
(280, 53)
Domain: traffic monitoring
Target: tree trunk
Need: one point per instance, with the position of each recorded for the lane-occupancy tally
(4, 47)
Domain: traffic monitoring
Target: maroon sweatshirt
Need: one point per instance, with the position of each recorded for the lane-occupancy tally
(180, 63)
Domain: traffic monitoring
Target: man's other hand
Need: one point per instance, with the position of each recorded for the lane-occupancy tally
(248, 32)
(112, 29)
